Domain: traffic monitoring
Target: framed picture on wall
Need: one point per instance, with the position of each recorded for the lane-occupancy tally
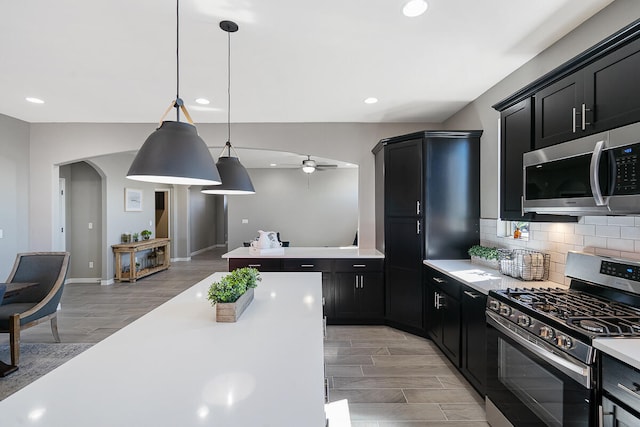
(132, 200)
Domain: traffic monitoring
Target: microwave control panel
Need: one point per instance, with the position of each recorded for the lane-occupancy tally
(627, 167)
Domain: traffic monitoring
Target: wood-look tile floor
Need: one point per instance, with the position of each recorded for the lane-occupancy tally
(390, 378)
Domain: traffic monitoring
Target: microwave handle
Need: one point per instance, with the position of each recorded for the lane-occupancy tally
(593, 171)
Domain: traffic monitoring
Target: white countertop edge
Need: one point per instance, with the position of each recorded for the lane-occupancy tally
(310, 252)
(486, 279)
(624, 349)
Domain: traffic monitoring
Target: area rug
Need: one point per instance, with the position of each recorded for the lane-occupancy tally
(35, 361)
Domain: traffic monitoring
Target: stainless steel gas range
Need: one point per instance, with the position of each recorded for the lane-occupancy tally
(542, 366)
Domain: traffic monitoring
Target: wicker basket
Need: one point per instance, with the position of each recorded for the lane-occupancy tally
(524, 264)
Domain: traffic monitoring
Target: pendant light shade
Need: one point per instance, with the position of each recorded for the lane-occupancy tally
(235, 178)
(174, 153)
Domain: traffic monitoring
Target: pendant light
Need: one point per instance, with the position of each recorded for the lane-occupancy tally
(174, 153)
(235, 178)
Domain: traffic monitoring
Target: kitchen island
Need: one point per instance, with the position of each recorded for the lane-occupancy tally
(176, 366)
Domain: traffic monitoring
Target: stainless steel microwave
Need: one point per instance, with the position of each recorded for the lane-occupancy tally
(594, 175)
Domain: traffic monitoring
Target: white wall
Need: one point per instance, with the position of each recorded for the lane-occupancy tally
(318, 209)
(14, 191)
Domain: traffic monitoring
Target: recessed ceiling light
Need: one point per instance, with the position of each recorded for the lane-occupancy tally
(202, 101)
(371, 100)
(415, 8)
(34, 100)
(273, 165)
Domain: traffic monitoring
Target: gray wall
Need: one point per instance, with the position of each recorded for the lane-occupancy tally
(320, 209)
(83, 206)
(14, 191)
(480, 115)
(203, 221)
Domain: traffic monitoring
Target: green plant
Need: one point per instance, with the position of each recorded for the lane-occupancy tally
(233, 285)
(135, 237)
(145, 234)
(483, 252)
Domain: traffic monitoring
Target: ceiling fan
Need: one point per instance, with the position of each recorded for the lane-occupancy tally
(310, 166)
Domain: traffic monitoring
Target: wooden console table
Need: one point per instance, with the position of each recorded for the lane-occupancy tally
(158, 261)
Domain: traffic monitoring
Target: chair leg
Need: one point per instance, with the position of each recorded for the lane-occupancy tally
(54, 328)
(14, 338)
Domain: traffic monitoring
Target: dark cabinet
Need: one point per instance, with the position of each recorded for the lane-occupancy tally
(516, 138)
(603, 95)
(473, 363)
(430, 182)
(443, 313)
(261, 264)
(359, 290)
(403, 178)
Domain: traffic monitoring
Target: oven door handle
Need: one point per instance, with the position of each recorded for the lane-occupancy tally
(576, 371)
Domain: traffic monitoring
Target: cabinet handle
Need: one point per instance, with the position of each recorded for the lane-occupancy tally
(359, 265)
(323, 303)
(521, 205)
(471, 294)
(255, 265)
(356, 280)
(438, 301)
(417, 207)
(574, 120)
(418, 227)
(306, 265)
(584, 116)
(361, 282)
(438, 280)
(633, 393)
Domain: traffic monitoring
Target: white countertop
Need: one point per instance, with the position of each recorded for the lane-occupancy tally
(625, 349)
(484, 279)
(176, 366)
(310, 252)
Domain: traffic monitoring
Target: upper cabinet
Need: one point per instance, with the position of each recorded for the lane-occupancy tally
(601, 96)
(403, 187)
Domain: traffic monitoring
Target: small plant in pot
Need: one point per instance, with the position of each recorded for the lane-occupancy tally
(146, 234)
(233, 293)
(484, 255)
(135, 237)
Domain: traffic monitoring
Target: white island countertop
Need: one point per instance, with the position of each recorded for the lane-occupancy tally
(176, 366)
(310, 252)
(484, 279)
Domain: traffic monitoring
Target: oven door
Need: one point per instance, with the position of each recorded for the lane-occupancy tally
(531, 385)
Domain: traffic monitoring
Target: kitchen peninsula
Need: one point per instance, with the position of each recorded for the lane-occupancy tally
(176, 366)
(352, 278)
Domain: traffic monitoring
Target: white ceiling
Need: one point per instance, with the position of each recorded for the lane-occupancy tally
(292, 60)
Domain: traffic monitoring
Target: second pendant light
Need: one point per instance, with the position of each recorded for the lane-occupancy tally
(235, 178)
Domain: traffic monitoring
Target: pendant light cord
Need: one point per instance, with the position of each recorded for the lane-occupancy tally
(178, 100)
(229, 91)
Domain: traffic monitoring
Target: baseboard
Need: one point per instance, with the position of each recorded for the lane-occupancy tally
(180, 259)
(83, 280)
(107, 282)
(199, 251)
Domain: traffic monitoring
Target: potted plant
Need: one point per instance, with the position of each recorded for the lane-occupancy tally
(146, 234)
(484, 255)
(135, 237)
(233, 293)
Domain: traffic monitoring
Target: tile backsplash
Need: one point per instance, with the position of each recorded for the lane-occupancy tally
(617, 236)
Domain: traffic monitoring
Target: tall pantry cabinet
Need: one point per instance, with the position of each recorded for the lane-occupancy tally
(427, 207)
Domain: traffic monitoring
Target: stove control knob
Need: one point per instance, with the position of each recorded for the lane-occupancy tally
(505, 310)
(564, 342)
(546, 332)
(524, 320)
(494, 305)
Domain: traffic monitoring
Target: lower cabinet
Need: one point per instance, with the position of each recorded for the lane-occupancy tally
(359, 290)
(474, 339)
(455, 321)
(443, 313)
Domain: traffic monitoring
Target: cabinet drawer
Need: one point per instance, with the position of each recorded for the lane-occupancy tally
(444, 282)
(261, 264)
(359, 264)
(306, 264)
(620, 380)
